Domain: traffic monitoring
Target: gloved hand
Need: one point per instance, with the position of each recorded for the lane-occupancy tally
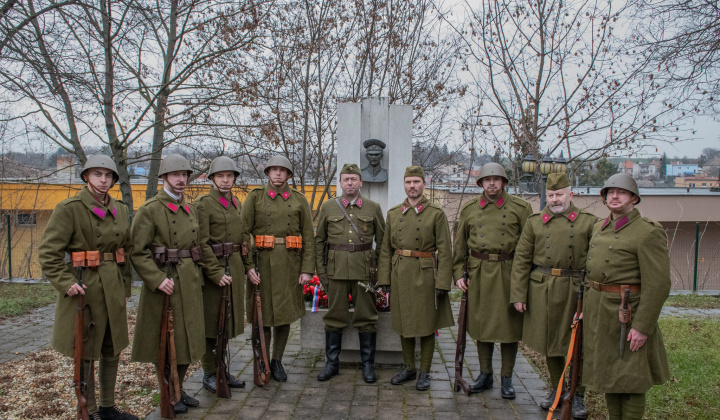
(324, 280)
(440, 292)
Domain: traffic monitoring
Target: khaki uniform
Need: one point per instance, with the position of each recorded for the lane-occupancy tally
(554, 241)
(162, 221)
(220, 222)
(346, 268)
(493, 228)
(412, 280)
(81, 223)
(281, 213)
(631, 250)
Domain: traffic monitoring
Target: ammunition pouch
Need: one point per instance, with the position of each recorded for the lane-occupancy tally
(160, 255)
(92, 259)
(264, 241)
(228, 248)
(269, 242)
(164, 255)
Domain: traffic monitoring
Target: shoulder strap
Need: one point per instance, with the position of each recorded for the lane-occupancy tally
(352, 224)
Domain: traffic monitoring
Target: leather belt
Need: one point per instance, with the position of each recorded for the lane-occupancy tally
(350, 247)
(612, 288)
(269, 242)
(560, 272)
(219, 253)
(416, 254)
(492, 257)
(184, 253)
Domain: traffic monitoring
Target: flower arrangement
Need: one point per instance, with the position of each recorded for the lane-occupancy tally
(316, 297)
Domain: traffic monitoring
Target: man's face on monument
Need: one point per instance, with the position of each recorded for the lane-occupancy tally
(374, 158)
(350, 184)
(559, 201)
(414, 187)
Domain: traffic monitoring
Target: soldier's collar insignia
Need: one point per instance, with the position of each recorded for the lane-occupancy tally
(358, 202)
(546, 217)
(605, 223)
(345, 202)
(223, 201)
(286, 195)
(419, 208)
(272, 193)
(235, 202)
(499, 202)
(622, 222)
(483, 203)
(572, 216)
(173, 208)
(99, 212)
(404, 209)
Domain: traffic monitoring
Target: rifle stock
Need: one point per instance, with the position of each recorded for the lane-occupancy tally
(460, 383)
(221, 349)
(261, 366)
(167, 363)
(79, 365)
(566, 413)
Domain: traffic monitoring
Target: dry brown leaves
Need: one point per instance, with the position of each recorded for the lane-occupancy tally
(40, 385)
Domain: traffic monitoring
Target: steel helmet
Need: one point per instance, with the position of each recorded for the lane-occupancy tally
(281, 161)
(223, 163)
(174, 163)
(100, 161)
(621, 180)
(491, 169)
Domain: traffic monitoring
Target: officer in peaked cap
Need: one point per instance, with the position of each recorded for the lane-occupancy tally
(546, 275)
(374, 172)
(489, 229)
(345, 260)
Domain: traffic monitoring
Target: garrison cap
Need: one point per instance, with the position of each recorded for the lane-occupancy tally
(557, 181)
(350, 169)
(374, 146)
(414, 171)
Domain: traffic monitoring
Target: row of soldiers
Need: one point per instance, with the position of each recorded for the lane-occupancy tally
(524, 272)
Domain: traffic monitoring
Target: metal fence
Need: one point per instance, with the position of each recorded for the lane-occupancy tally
(694, 250)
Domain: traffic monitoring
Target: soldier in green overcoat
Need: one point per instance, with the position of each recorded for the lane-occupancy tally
(416, 266)
(92, 221)
(167, 220)
(220, 223)
(489, 229)
(627, 252)
(546, 274)
(345, 258)
(279, 219)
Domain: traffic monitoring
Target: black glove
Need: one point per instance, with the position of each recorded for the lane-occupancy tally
(440, 292)
(324, 281)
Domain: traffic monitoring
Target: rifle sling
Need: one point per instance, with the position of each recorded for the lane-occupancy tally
(347, 217)
(568, 360)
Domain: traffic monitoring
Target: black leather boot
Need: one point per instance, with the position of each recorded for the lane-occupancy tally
(112, 413)
(483, 382)
(333, 345)
(548, 401)
(210, 382)
(188, 400)
(277, 371)
(507, 391)
(578, 407)
(404, 376)
(423, 382)
(367, 355)
(234, 382)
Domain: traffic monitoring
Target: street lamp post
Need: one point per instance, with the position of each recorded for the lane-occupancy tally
(547, 166)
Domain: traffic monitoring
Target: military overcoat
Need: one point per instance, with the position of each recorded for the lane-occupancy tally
(494, 228)
(553, 241)
(220, 222)
(630, 250)
(81, 223)
(280, 212)
(333, 227)
(412, 280)
(163, 221)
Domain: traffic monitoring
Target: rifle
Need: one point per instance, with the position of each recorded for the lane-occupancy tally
(79, 365)
(221, 344)
(167, 365)
(260, 361)
(460, 383)
(574, 357)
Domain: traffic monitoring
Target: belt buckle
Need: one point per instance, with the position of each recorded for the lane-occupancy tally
(406, 253)
(351, 247)
(557, 272)
(494, 257)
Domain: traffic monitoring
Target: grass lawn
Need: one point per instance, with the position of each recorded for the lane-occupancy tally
(17, 299)
(693, 391)
(694, 301)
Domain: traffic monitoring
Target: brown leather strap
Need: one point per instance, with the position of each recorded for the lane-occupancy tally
(612, 288)
(219, 252)
(559, 272)
(492, 257)
(188, 253)
(350, 247)
(416, 254)
(80, 257)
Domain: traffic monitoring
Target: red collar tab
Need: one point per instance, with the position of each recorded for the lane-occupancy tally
(546, 217)
(483, 203)
(345, 202)
(173, 208)
(358, 202)
(286, 195)
(235, 202)
(404, 209)
(572, 216)
(272, 193)
(500, 202)
(99, 212)
(419, 208)
(605, 223)
(622, 222)
(224, 202)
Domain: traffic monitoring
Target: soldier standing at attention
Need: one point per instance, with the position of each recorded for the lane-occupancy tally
(489, 229)
(627, 265)
(165, 223)
(279, 218)
(416, 265)
(344, 253)
(92, 221)
(546, 274)
(220, 223)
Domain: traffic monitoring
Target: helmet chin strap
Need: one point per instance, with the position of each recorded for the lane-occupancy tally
(217, 187)
(104, 197)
